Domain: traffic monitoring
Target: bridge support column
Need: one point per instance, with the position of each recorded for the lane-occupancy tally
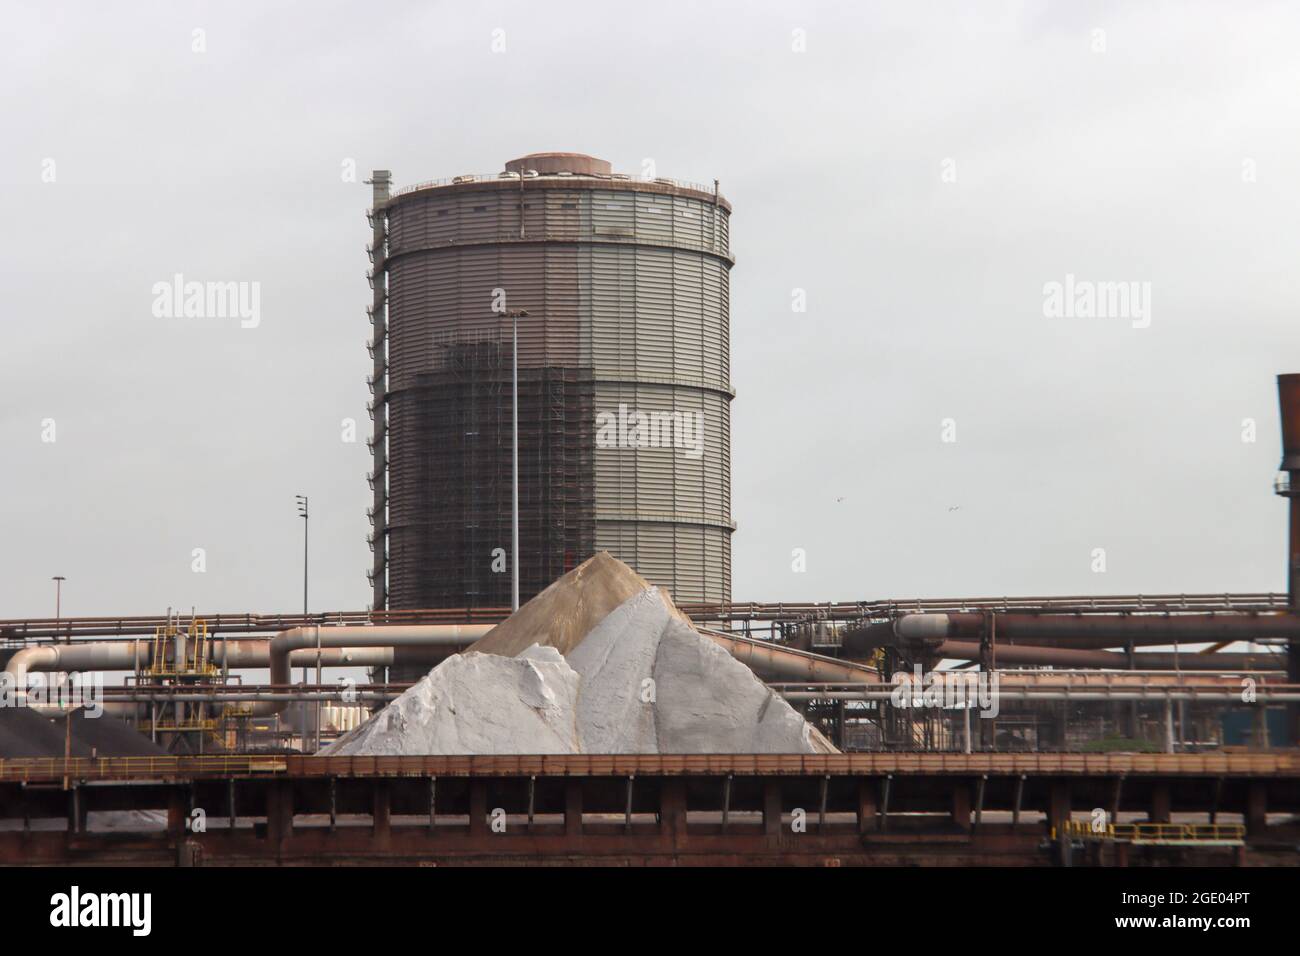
(1256, 808)
(382, 814)
(772, 807)
(1058, 805)
(478, 808)
(572, 808)
(961, 805)
(867, 809)
(1160, 803)
(279, 812)
(175, 811)
(672, 810)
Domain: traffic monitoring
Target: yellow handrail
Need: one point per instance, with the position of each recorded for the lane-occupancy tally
(1158, 832)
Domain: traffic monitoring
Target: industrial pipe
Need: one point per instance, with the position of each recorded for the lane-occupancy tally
(860, 643)
(456, 636)
(772, 660)
(1027, 695)
(115, 656)
(1095, 631)
(1072, 657)
(242, 653)
(1265, 694)
(379, 645)
(362, 646)
(17, 629)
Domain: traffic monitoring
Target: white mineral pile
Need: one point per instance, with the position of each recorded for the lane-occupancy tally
(476, 703)
(600, 662)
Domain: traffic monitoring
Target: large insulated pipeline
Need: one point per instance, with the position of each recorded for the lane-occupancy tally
(105, 656)
(358, 646)
(372, 646)
(1097, 631)
(1077, 641)
(772, 661)
(451, 636)
(1073, 657)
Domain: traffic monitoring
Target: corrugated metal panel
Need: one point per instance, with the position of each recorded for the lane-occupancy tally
(654, 217)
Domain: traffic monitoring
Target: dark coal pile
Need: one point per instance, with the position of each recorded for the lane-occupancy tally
(25, 733)
(106, 736)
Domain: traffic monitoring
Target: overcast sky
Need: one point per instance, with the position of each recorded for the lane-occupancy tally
(921, 172)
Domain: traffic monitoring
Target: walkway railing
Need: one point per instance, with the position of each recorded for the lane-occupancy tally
(1160, 834)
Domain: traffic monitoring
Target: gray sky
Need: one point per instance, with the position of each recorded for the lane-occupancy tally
(1162, 151)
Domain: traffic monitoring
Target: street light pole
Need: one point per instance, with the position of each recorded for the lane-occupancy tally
(514, 462)
(58, 580)
(304, 513)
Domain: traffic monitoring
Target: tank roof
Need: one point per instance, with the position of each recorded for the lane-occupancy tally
(580, 164)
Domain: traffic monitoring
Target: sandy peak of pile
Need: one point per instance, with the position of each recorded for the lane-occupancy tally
(566, 612)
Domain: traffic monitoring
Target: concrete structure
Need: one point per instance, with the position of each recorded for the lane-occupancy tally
(625, 283)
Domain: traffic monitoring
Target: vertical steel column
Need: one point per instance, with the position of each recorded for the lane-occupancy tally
(1288, 394)
(381, 813)
(1058, 815)
(866, 805)
(959, 804)
(514, 459)
(672, 810)
(478, 807)
(380, 182)
(572, 807)
(771, 807)
(1161, 803)
(1256, 809)
(885, 788)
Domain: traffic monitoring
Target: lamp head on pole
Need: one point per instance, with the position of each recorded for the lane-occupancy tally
(302, 505)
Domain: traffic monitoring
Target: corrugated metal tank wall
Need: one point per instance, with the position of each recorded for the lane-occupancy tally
(626, 283)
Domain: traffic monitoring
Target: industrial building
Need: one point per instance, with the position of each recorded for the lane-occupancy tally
(618, 289)
(619, 286)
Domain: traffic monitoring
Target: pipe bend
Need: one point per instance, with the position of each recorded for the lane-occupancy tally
(396, 635)
(45, 658)
(48, 658)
